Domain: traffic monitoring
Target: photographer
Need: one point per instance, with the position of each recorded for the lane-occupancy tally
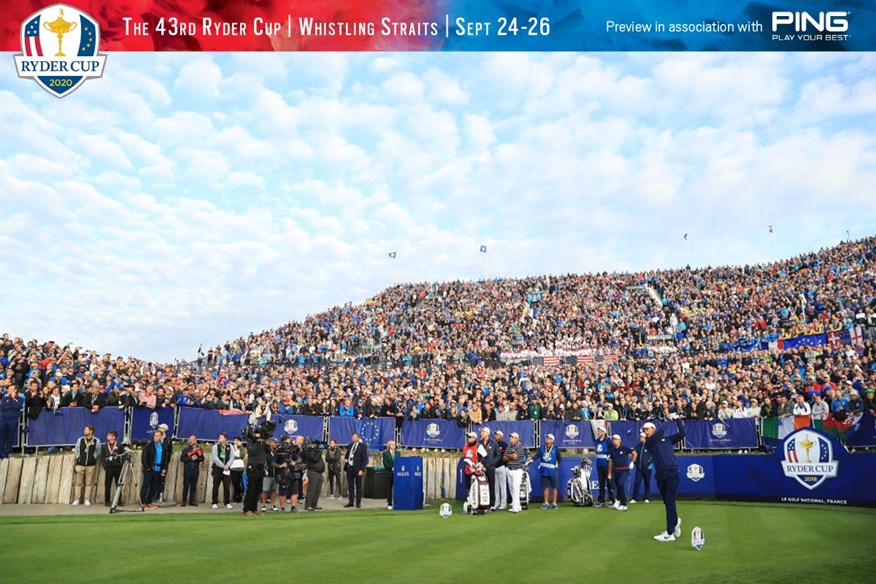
(191, 457)
(269, 486)
(312, 456)
(255, 468)
(288, 481)
(112, 455)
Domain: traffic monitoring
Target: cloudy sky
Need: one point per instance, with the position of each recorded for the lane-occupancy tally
(186, 199)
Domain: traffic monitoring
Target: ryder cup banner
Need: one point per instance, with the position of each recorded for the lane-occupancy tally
(310, 427)
(569, 434)
(64, 426)
(718, 434)
(374, 432)
(445, 25)
(59, 49)
(525, 430)
(144, 422)
(208, 424)
(432, 434)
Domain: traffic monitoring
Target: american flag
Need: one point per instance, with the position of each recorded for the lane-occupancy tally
(791, 453)
(551, 361)
(823, 456)
(592, 358)
(32, 46)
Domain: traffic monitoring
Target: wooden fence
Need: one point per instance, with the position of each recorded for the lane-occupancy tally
(48, 479)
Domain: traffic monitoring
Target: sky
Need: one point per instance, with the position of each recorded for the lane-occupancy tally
(193, 198)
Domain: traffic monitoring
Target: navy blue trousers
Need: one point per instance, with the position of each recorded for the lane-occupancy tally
(8, 428)
(668, 485)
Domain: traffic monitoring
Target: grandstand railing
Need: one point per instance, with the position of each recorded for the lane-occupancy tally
(61, 428)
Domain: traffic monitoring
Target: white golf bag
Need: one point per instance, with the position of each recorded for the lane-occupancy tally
(478, 501)
(578, 487)
(525, 487)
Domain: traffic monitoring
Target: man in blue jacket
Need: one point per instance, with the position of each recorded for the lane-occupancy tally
(602, 445)
(666, 467)
(10, 414)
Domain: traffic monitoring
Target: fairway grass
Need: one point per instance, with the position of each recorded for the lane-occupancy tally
(744, 543)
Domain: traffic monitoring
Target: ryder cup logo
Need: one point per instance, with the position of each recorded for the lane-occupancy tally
(719, 430)
(59, 49)
(153, 420)
(695, 473)
(432, 430)
(571, 432)
(291, 426)
(809, 458)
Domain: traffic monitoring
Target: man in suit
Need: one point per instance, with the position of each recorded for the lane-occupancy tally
(389, 456)
(357, 459)
(156, 457)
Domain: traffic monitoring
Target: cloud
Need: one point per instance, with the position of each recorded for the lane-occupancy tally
(185, 200)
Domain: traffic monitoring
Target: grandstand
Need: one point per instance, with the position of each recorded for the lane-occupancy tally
(646, 344)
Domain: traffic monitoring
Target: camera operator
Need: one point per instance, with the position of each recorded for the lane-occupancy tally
(285, 459)
(269, 486)
(255, 469)
(312, 456)
(112, 455)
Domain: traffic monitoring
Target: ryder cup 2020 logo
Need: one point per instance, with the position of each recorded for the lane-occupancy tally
(808, 458)
(59, 49)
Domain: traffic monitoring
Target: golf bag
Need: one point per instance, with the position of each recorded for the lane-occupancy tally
(525, 487)
(578, 487)
(478, 501)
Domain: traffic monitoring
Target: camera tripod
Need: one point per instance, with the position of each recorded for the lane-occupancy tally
(126, 475)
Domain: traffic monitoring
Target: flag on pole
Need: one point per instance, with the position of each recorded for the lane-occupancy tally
(392, 255)
(685, 236)
(483, 249)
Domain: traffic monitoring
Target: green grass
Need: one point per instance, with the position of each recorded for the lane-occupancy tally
(744, 543)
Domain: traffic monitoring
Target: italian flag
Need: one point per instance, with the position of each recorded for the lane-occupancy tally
(781, 427)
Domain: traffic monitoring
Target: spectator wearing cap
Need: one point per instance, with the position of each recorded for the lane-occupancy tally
(470, 456)
(168, 445)
(501, 471)
(489, 452)
(643, 467)
(602, 445)
(662, 453)
(620, 461)
(855, 405)
(514, 458)
(548, 456)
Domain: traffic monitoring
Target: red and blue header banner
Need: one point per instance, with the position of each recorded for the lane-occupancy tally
(449, 25)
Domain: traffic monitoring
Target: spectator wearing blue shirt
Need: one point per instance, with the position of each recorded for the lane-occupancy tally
(666, 467)
(156, 456)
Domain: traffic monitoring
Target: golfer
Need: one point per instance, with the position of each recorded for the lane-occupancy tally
(666, 467)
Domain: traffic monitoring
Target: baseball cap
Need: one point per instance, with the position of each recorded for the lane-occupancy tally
(648, 425)
(549, 437)
(616, 437)
(601, 429)
(499, 432)
(472, 435)
(514, 435)
(162, 426)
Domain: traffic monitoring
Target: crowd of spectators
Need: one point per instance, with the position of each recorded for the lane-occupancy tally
(439, 350)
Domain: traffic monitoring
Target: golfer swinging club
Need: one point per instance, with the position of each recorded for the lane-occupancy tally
(666, 467)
